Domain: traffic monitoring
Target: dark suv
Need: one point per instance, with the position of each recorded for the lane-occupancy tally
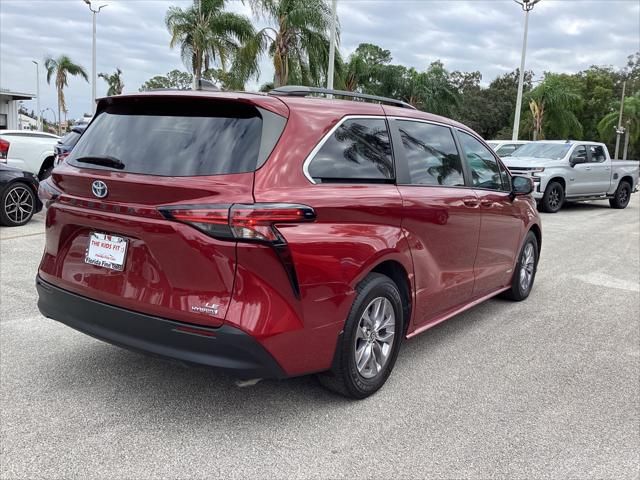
(282, 234)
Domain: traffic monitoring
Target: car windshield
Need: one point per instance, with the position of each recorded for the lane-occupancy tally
(555, 151)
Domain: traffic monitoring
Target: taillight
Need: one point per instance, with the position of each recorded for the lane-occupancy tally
(47, 192)
(60, 157)
(245, 222)
(4, 150)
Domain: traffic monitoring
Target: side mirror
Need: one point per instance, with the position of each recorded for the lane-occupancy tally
(521, 185)
(575, 161)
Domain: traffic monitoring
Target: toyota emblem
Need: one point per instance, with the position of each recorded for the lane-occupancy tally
(99, 188)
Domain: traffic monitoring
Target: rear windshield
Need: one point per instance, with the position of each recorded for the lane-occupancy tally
(176, 137)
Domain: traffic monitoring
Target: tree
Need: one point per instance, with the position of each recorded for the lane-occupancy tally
(62, 67)
(297, 41)
(207, 35)
(114, 81)
(552, 104)
(631, 122)
(174, 79)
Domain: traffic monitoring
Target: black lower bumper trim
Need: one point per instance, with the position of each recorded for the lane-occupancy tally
(225, 347)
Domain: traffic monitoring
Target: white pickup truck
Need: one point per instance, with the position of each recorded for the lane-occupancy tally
(574, 170)
(28, 150)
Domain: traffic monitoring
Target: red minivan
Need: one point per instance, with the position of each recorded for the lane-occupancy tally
(282, 234)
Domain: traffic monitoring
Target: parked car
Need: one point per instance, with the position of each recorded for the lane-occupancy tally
(65, 144)
(28, 150)
(18, 196)
(279, 235)
(505, 148)
(573, 171)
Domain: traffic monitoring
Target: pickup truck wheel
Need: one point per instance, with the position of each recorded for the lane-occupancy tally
(622, 196)
(553, 198)
(525, 271)
(369, 343)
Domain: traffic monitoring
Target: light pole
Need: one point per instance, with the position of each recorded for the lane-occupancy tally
(332, 45)
(527, 6)
(54, 117)
(38, 95)
(93, 69)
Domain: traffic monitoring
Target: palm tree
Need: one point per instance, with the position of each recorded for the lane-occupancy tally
(62, 67)
(631, 111)
(207, 34)
(551, 104)
(114, 81)
(297, 41)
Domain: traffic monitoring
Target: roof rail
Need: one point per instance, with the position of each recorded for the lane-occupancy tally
(304, 91)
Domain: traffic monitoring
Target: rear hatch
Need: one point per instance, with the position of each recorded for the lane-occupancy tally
(109, 236)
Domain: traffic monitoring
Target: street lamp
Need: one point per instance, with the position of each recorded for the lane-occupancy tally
(52, 113)
(38, 95)
(332, 45)
(527, 6)
(93, 69)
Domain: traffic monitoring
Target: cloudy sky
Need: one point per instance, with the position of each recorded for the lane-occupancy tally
(485, 35)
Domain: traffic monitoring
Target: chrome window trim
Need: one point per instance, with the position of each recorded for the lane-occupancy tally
(320, 144)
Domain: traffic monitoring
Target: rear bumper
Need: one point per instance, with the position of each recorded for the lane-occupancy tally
(224, 347)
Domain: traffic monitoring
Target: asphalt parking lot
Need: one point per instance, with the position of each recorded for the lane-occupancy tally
(546, 388)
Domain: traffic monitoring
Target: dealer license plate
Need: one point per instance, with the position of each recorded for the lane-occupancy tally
(106, 251)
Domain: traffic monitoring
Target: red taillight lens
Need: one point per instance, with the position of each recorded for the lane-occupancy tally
(249, 222)
(4, 150)
(257, 222)
(60, 157)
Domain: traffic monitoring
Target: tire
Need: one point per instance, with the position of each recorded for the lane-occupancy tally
(17, 204)
(376, 293)
(553, 198)
(45, 173)
(621, 197)
(525, 271)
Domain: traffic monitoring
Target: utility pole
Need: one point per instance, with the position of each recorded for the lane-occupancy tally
(619, 127)
(332, 45)
(527, 6)
(38, 95)
(93, 63)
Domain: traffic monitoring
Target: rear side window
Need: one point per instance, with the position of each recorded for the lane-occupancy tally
(597, 154)
(359, 150)
(431, 154)
(179, 137)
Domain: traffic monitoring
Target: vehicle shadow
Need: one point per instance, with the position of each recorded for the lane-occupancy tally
(157, 387)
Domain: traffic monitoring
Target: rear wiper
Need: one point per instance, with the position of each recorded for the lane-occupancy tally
(104, 160)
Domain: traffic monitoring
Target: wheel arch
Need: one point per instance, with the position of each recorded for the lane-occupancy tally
(628, 179)
(537, 231)
(46, 163)
(398, 273)
(559, 180)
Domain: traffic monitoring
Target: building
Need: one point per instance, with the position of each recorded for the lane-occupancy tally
(9, 119)
(25, 122)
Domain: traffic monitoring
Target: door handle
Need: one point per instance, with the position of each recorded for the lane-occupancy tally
(471, 202)
(486, 203)
(587, 168)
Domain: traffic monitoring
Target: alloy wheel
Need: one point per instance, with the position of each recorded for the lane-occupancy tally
(527, 266)
(623, 196)
(554, 198)
(374, 337)
(19, 204)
